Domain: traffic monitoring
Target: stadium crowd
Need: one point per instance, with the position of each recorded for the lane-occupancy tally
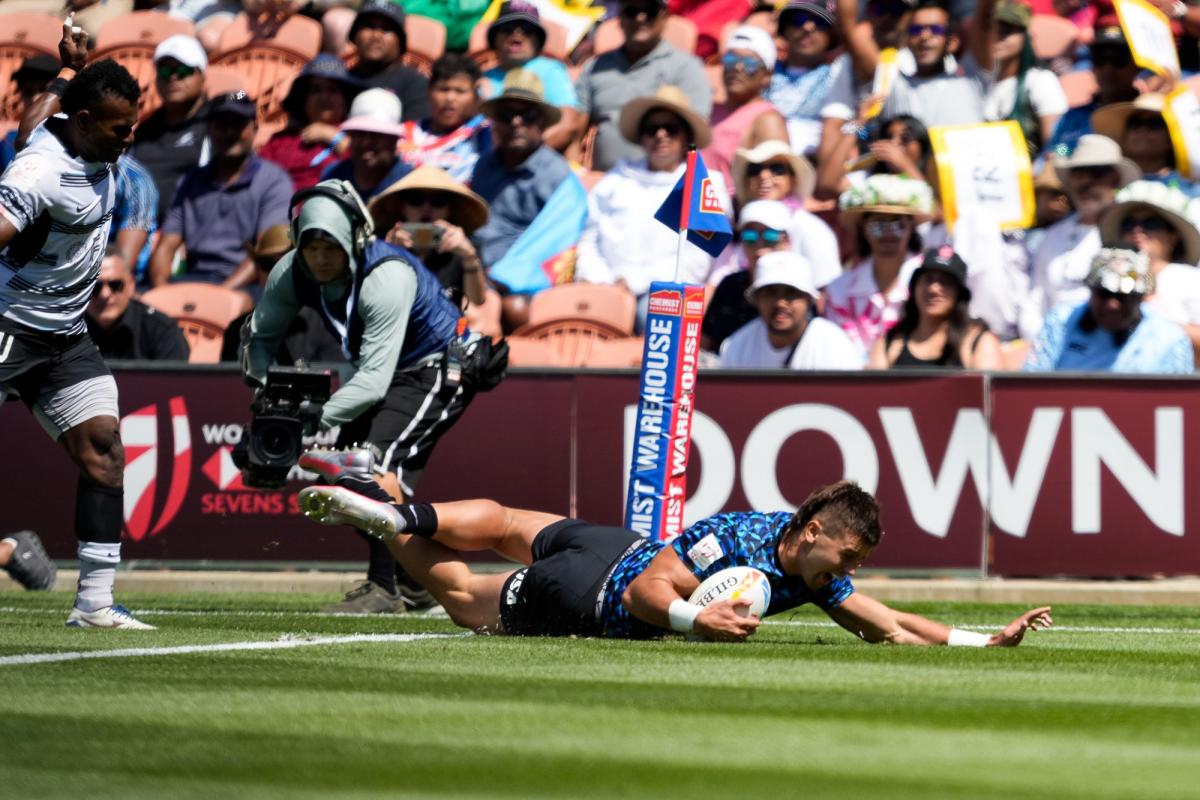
(519, 146)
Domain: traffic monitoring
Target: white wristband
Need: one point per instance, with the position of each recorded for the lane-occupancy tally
(683, 615)
(967, 639)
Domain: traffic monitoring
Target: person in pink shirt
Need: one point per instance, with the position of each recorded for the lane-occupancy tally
(745, 119)
(866, 301)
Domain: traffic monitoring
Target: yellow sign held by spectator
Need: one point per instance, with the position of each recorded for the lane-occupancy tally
(984, 169)
(1148, 32)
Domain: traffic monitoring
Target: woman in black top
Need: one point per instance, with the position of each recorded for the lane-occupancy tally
(935, 328)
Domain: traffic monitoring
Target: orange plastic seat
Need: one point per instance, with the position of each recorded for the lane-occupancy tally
(300, 35)
(606, 305)
(203, 312)
(138, 58)
(568, 343)
(526, 352)
(1079, 87)
(223, 80)
(426, 42)
(616, 353)
(1052, 36)
(142, 27)
(679, 32)
(268, 72)
(38, 32)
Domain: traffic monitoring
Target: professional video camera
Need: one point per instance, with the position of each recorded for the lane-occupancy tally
(284, 410)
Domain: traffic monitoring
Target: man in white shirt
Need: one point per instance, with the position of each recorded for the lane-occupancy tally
(1092, 176)
(786, 334)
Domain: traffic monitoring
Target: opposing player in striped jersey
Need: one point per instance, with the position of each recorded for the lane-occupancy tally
(588, 580)
(56, 208)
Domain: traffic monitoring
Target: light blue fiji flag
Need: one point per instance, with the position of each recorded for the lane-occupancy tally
(529, 266)
(693, 206)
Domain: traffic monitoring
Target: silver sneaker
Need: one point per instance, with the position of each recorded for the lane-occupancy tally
(29, 565)
(331, 464)
(333, 505)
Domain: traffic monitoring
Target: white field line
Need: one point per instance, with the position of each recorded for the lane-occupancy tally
(440, 613)
(285, 643)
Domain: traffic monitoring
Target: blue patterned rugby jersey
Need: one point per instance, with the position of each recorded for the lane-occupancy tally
(741, 539)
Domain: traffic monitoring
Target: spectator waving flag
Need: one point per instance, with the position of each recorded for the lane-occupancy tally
(694, 206)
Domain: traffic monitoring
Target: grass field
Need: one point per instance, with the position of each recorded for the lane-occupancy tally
(1105, 706)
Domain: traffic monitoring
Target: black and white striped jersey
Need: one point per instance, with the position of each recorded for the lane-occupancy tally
(63, 208)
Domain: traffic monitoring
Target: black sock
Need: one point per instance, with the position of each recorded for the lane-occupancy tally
(99, 511)
(381, 566)
(419, 518)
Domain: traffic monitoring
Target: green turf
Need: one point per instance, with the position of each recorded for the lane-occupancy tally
(800, 711)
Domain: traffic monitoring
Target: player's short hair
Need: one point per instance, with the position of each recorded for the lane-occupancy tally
(104, 78)
(452, 64)
(840, 508)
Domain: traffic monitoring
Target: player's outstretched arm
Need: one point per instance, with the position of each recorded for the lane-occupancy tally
(875, 622)
(659, 596)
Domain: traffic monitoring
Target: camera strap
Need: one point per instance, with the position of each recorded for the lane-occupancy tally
(341, 326)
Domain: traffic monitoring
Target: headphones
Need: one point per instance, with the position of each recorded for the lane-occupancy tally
(342, 193)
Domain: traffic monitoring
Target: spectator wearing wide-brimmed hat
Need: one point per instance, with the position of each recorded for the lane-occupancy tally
(317, 103)
(518, 37)
(883, 214)
(380, 40)
(447, 213)
(622, 243)
(1141, 129)
(529, 188)
(1112, 330)
(1160, 221)
(772, 171)
(374, 129)
(1091, 175)
(644, 62)
(801, 81)
(746, 119)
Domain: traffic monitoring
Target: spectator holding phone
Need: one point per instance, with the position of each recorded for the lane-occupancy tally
(433, 215)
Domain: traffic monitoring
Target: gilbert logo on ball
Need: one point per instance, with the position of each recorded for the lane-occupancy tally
(734, 584)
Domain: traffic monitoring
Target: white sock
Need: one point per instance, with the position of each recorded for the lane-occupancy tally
(97, 572)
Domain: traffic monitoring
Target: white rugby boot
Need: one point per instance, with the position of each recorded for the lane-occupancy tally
(334, 505)
(114, 616)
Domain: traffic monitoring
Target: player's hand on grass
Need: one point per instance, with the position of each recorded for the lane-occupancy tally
(726, 621)
(72, 49)
(1014, 632)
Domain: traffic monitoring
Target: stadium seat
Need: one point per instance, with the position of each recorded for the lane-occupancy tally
(478, 49)
(297, 34)
(1052, 36)
(426, 42)
(203, 311)
(1079, 87)
(616, 353)
(38, 32)
(268, 72)
(679, 32)
(608, 305)
(565, 343)
(138, 58)
(526, 352)
(223, 80)
(142, 27)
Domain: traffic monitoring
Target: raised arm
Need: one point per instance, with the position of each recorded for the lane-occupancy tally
(860, 41)
(983, 34)
(73, 51)
(874, 622)
(652, 598)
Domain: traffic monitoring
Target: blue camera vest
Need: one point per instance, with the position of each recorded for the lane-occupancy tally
(432, 323)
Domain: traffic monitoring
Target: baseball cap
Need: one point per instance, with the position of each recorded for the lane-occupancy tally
(944, 259)
(185, 49)
(238, 103)
(768, 213)
(783, 268)
(757, 41)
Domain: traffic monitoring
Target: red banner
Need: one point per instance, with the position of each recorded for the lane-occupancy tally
(1050, 475)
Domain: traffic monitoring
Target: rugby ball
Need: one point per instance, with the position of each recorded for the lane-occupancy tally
(736, 583)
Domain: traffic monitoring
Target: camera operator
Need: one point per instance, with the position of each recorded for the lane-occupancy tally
(415, 365)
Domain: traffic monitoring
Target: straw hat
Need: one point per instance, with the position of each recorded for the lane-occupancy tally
(888, 194)
(469, 211)
(1094, 150)
(806, 176)
(672, 99)
(1161, 200)
(521, 84)
(1110, 120)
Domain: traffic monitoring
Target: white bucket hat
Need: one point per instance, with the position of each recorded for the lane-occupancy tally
(375, 111)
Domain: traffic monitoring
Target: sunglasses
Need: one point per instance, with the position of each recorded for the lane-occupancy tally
(915, 31)
(512, 27)
(799, 19)
(116, 285)
(1095, 173)
(766, 236)
(652, 128)
(634, 11)
(777, 169)
(508, 113)
(1147, 224)
(749, 64)
(182, 71)
(434, 199)
(1152, 122)
(880, 228)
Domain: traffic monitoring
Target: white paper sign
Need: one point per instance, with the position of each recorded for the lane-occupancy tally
(984, 169)
(1148, 32)
(1182, 113)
